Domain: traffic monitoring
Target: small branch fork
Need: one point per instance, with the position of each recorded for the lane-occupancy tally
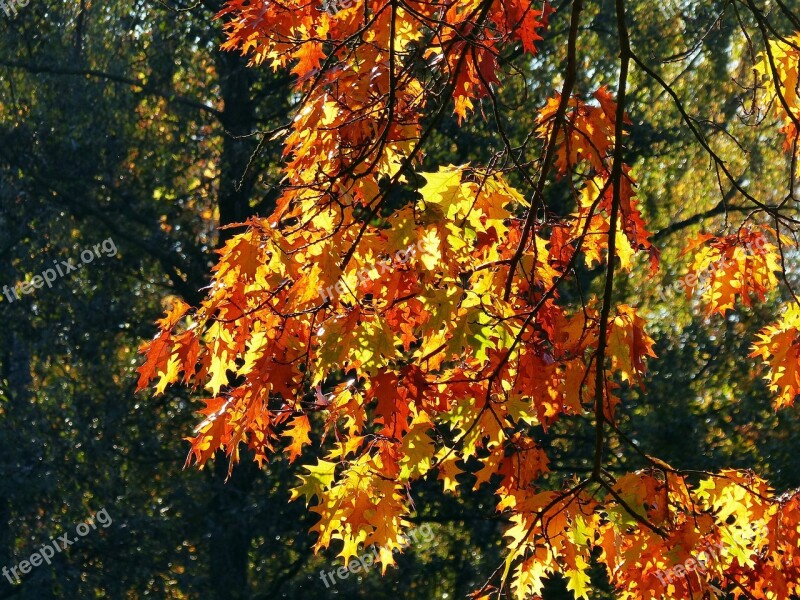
(552, 143)
(616, 183)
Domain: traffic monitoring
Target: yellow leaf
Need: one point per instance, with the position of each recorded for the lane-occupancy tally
(578, 582)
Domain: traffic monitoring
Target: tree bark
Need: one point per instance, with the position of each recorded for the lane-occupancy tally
(229, 540)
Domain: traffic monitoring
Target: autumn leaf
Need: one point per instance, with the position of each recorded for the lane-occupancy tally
(733, 267)
(298, 434)
(778, 346)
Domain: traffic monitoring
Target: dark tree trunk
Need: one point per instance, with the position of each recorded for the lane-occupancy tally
(229, 532)
(238, 119)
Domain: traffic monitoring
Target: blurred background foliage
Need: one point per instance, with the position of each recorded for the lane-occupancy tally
(123, 120)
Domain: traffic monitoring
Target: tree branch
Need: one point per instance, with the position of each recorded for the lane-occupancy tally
(143, 87)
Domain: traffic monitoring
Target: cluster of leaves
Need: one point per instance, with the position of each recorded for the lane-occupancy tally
(447, 365)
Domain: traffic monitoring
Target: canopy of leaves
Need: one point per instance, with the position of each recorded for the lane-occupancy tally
(436, 323)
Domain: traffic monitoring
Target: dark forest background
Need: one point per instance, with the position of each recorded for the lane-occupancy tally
(124, 120)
